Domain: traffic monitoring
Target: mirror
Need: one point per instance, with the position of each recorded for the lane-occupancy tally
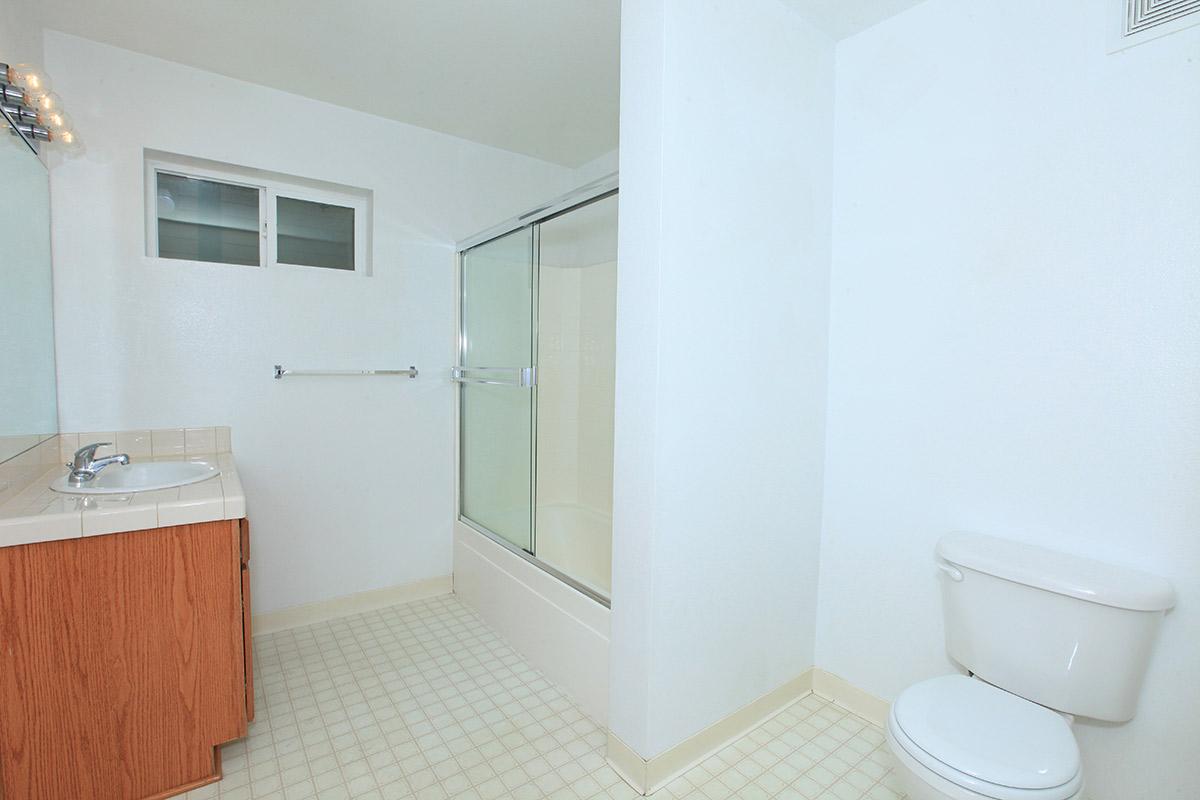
(28, 395)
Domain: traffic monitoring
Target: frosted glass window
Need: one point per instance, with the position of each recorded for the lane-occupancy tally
(200, 210)
(314, 234)
(206, 220)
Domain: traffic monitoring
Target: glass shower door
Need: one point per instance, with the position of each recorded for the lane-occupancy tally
(497, 396)
(577, 327)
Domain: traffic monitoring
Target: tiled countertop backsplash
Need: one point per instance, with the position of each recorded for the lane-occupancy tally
(31, 512)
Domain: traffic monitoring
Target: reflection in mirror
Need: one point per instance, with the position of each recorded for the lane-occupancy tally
(28, 399)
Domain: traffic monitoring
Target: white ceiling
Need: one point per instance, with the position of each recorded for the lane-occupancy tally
(539, 77)
(842, 18)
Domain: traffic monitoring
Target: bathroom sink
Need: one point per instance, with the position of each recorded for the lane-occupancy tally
(143, 476)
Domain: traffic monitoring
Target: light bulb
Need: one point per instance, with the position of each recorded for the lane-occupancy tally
(66, 140)
(48, 102)
(34, 80)
(54, 120)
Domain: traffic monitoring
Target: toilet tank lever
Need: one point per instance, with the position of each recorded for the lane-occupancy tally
(954, 572)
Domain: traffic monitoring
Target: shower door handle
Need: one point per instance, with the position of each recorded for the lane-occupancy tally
(523, 377)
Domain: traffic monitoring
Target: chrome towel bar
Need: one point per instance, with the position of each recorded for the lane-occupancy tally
(280, 372)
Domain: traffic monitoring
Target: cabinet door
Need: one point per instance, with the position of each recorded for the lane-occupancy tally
(50, 723)
(164, 620)
(247, 637)
(123, 662)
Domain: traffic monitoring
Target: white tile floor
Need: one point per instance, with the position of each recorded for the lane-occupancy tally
(424, 701)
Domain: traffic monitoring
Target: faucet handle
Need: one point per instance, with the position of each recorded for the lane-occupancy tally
(85, 454)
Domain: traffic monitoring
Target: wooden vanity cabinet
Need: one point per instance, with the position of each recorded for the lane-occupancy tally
(125, 661)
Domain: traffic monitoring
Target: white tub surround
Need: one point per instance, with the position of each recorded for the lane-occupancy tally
(577, 288)
(561, 631)
(577, 540)
(31, 512)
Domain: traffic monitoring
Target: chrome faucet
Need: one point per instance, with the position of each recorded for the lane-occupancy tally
(86, 465)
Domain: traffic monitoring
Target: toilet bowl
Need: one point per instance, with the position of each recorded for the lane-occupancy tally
(958, 738)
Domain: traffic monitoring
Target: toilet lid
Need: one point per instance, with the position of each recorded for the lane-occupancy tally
(988, 733)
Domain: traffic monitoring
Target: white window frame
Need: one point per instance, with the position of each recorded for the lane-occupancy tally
(270, 186)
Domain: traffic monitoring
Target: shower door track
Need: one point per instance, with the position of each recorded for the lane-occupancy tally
(525, 555)
(585, 194)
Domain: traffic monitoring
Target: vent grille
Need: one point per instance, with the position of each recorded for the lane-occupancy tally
(1144, 15)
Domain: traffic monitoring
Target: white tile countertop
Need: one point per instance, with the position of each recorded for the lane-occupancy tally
(30, 512)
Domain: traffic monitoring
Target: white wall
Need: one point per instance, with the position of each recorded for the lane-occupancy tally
(349, 480)
(598, 167)
(20, 34)
(1015, 337)
(726, 123)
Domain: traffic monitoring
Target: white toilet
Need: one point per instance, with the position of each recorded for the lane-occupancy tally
(1046, 637)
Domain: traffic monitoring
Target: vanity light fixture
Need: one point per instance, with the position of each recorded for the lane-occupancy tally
(36, 111)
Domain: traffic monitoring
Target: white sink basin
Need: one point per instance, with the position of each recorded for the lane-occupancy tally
(141, 476)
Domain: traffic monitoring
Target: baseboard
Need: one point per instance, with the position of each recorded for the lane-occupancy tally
(648, 776)
(307, 614)
(632, 768)
(850, 697)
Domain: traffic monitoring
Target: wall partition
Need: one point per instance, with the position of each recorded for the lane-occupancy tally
(536, 373)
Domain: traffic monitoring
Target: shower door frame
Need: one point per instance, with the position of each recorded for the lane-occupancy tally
(589, 193)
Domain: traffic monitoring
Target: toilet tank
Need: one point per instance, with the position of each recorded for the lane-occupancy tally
(1063, 631)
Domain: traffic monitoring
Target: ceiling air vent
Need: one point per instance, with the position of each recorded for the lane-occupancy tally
(1142, 20)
